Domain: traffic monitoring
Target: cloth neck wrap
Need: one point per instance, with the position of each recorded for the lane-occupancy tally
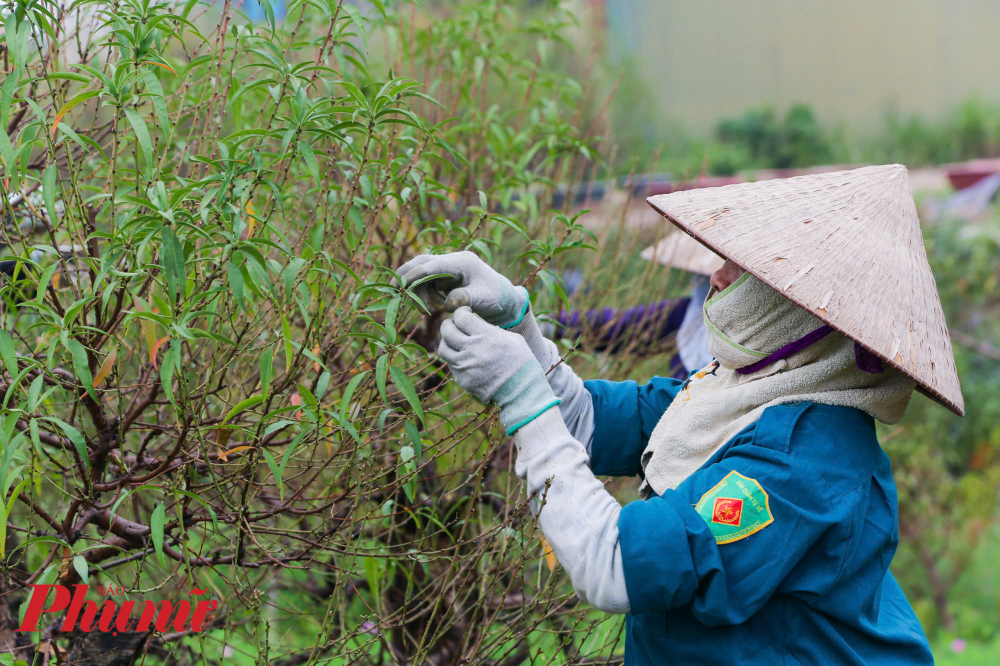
(768, 351)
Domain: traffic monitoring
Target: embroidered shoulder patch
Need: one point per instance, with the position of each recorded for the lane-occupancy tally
(735, 508)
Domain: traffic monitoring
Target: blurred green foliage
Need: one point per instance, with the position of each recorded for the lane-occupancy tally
(773, 142)
(770, 138)
(947, 469)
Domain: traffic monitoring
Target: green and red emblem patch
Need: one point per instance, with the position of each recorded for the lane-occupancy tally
(735, 508)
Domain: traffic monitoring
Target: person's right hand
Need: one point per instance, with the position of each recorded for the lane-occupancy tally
(496, 366)
(469, 282)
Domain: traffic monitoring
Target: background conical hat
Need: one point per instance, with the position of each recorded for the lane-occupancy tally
(845, 246)
(681, 251)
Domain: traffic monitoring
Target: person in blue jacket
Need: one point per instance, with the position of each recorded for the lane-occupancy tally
(769, 516)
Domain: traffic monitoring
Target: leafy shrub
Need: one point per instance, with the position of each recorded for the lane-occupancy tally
(210, 380)
(946, 469)
(793, 141)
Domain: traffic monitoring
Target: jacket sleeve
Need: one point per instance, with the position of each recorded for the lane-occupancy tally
(624, 415)
(673, 555)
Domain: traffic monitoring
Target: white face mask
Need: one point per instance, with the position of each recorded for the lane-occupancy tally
(749, 320)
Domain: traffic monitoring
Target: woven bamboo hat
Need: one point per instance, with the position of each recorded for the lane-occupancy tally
(681, 251)
(845, 246)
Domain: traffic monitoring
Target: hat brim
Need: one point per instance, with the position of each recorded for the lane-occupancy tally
(678, 250)
(920, 385)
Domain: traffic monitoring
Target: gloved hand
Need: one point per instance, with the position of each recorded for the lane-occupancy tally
(496, 366)
(490, 295)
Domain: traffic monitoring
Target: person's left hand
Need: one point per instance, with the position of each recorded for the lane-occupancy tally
(482, 357)
(495, 365)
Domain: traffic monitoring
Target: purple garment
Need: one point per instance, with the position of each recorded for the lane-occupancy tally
(864, 359)
(867, 361)
(657, 320)
(791, 348)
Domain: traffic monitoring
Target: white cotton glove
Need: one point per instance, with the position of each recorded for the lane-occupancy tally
(493, 297)
(496, 366)
(474, 284)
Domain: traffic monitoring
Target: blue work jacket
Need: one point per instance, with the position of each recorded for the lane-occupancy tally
(801, 578)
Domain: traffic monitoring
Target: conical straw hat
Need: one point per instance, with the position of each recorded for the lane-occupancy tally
(845, 246)
(681, 251)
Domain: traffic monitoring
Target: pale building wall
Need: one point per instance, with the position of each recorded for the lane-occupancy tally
(851, 60)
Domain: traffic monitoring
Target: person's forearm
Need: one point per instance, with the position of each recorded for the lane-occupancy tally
(577, 408)
(578, 517)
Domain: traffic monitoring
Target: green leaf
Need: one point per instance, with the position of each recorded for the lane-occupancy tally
(169, 364)
(211, 511)
(49, 191)
(236, 284)
(405, 386)
(156, 528)
(290, 450)
(266, 370)
(35, 392)
(8, 354)
(278, 425)
(43, 281)
(321, 385)
(245, 88)
(291, 271)
(381, 371)
(69, 76)
(12, 499)
(7, 154)
(482, 200)
(275, 470)
(81, 367)
(7, 91)
(372, 570)
(80, 564)
(244, 405)
(33, 429)
(73, 102)
(418, 446)
(286, 333)
(381, 8)
(310, 158)
(84, 142)
(355, 15)
(390, 317)
(74, 436)
(406, 454)
(159, 103)
(172, 258)
(345, 400)
(12, 391)
(141, 132)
